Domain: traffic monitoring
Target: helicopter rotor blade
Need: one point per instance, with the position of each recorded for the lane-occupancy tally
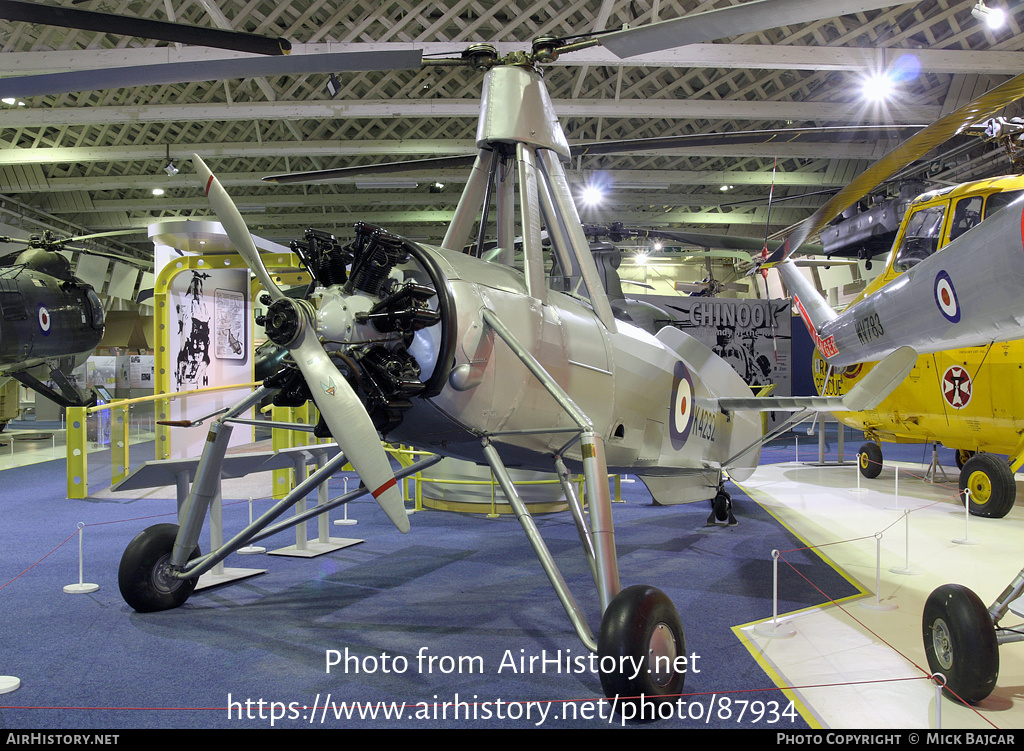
(914, 148)
(206, 70)
(727, 22)
(344, 413)
(838, 134)
(143, 28)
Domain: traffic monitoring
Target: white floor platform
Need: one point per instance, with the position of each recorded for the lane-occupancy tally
(852, 666)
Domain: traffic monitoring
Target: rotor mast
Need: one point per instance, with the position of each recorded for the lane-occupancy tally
(521, 147)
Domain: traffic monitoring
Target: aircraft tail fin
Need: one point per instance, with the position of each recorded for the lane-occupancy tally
(867, 394)
(812, 307)
(881, 380)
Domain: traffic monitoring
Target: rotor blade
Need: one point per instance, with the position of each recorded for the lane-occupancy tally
(235, 227)
(839, 134)
(700, 239)
(109, 23)
(206, 70)
(388, 168)
(344, 414)
(910, 150)
(729, 22)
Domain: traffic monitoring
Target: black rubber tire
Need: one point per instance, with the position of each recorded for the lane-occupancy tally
(869, 460)
(139, 576)
(993, 489)
(960, 642)
(962, 455)
(721, 506)
(639, 621)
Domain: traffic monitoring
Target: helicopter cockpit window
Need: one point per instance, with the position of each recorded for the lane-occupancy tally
(998, 201)
(921, 237)
(966, 215)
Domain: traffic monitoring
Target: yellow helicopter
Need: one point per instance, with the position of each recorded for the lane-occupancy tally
(970, 399)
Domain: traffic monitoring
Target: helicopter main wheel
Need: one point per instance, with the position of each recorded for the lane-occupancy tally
(869, 460)
(960, 642)
(144, 575)
(641, 635)
(990, 480)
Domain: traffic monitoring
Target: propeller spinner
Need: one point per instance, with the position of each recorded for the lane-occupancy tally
(344, 413)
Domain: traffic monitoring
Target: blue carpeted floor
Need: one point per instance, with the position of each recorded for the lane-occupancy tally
(464, 590)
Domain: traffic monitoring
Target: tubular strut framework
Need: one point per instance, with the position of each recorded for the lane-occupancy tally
(599, 540)
(206, 485)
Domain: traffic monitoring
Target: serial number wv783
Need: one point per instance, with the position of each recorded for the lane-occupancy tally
(868, 328)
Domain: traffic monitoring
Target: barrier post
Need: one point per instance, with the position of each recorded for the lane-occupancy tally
(77, 454)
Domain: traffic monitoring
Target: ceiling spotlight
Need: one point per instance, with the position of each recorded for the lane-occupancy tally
(170, 169)
(436, 187)
(333, 86)
(877, 87)
(592, 195)
(158, 191)
(994, 18)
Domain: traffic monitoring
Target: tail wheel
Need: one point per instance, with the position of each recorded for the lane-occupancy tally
(960, 642)
(991, 484)
(722, 506)
(869, 460)
(642, 636)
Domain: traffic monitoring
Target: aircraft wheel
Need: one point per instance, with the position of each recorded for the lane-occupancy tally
(721, 505)
(960, 642)
(990, 480)
(143, 575)
(869, 460)
(641, 636)
(962, 455)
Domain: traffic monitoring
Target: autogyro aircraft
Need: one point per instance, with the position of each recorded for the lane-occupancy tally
(50, 321)
(477, 359)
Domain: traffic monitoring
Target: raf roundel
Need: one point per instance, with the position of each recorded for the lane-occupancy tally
(44, 320)
(945, 297)
(681, 419)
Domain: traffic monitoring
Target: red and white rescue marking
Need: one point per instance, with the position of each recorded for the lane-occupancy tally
(957, 387)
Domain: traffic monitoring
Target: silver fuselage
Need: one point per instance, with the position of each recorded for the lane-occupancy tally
(627, 382)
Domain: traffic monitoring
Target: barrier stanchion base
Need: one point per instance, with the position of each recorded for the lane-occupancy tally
(81, 589)
(216, 578)
(775, 630)
(879, 605)
(9, 683)
(314, 548)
